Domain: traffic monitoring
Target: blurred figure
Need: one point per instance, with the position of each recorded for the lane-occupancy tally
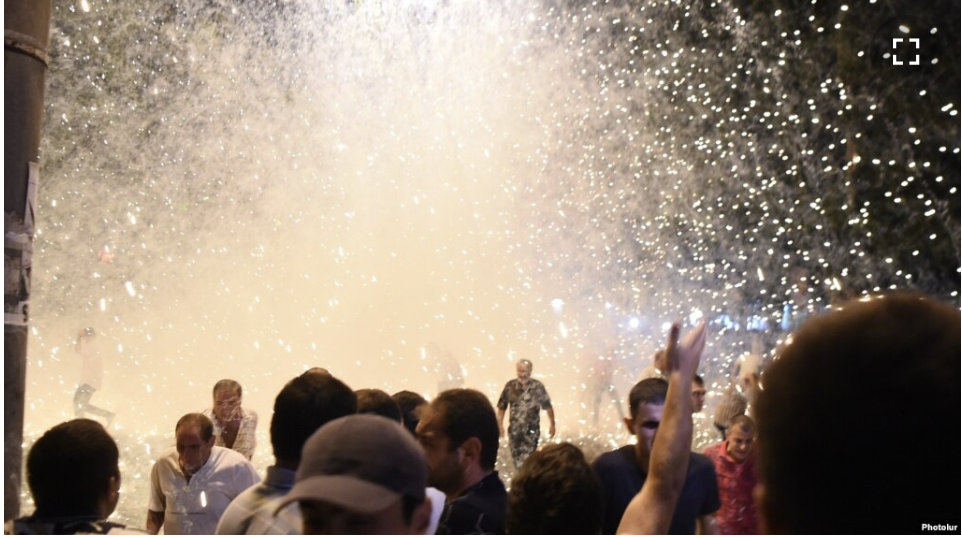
(526, 397)
(623, 471)
(306, 403)
(377, 402)
(734, 402)
(658, 367)
(734, 460)
(193, 482)
(869, 367)
(74, 477)
(555, 492)
(601, 386)
(459, 434)
(234, 427)
(91, 376)
(412, 405)
(362, 474)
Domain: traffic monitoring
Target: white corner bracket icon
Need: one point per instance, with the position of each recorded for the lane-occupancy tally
(895, 45)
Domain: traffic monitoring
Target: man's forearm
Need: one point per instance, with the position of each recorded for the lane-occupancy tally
(155, 520)
(551, 417)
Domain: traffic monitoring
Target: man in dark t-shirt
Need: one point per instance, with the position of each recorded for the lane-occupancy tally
(623, 471)
(526, 397)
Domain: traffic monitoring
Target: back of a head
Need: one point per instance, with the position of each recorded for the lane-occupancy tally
(555, 492)
(410, 404)
(306, 403)
(377, 402)
(467, 413)
(653, 390)
(69, 468)
(854, 420)
(196, 420)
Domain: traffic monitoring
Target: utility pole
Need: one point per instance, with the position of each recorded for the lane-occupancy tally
(26, 34)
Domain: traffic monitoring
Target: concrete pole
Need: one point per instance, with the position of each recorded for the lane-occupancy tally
(25, 36)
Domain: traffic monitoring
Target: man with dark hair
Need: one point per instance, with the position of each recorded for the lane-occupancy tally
(73, 474)
(377, 402)
(734, 460)
(555, 492)
(904, 350)
(362, 474)
(459, 433)
(306, 403)
(698, 394)
(623, 471)
(411, 404)
(234, 427)
(193, 482)
(526, 397)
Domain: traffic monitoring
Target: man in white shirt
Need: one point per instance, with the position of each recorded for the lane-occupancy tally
(193, 482)
(234, 426)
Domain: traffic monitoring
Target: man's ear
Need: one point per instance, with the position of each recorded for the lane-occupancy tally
(421, 518)
(471, 449)
(630, 425)
(110, 497)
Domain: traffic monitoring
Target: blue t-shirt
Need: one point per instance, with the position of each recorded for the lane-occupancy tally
(621, 479)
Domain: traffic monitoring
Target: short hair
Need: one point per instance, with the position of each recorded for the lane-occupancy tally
(227, 384)
(698, 380)
(903, 349)
(377, 402)
(653, 390)
(466, 413)
(69, 468)
(555, 492)
(410, 404)
(204, 426)
(744, 422)
(306, 403)
(526, 363)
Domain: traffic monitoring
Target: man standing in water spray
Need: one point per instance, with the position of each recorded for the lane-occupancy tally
(527, 397)
(91, 376)
(234, 426)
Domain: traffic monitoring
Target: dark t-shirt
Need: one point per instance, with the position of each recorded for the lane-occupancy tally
(479, 510)
(621, 479)
(526, 403)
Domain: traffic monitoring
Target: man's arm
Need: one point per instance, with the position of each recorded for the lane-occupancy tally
(155, 521)
(551, 429)
(707, 524)
(500, 422)
(650, 512)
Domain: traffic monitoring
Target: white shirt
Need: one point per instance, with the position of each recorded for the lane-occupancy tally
(195, 506)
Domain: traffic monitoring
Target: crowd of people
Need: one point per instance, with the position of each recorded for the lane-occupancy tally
(849, 420)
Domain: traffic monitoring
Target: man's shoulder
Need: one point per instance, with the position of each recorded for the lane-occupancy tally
(227, 458)
(617, 457)
(616, 464)
(249, 414)
(700, 461)
(713, 451)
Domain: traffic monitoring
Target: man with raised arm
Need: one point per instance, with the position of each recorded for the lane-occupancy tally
(651, 511)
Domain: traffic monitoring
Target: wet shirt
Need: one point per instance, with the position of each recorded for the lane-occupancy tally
(526, 403)
(736, 482)
(621, 479)
(252, 512)
(195, 506)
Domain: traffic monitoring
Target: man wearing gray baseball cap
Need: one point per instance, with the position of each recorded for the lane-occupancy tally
(362, 474)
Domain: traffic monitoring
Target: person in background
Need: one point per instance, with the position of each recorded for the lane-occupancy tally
(377, 402)
(234, 427)
(91, 376)
(734, 460)
(526, 397)
(412, 405)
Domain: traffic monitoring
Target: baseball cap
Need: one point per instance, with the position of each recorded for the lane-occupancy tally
(364, 463)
